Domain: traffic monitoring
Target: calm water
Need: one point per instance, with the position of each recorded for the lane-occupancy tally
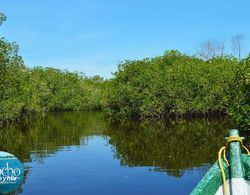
(82, 153)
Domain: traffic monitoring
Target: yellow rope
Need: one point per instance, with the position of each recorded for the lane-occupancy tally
(223, 150)
(248, 153)
(224, 156)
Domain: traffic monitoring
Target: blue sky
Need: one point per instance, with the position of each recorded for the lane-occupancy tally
(93, 36)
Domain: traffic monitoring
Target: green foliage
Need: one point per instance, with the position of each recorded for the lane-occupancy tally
(239, 104)
(56, 90)
(12, 74)
(176, 84)
(24, 91)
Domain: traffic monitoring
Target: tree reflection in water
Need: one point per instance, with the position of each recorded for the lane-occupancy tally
(172, 146)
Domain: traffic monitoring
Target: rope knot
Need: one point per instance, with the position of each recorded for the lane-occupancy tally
(223, 151)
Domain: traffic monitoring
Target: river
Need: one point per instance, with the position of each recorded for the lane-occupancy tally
(84, 153)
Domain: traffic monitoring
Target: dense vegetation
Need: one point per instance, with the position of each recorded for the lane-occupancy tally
(174, 84)
(24, 90)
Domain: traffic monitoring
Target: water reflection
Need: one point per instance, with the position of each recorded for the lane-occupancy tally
(170, 147)
(178, 148)
(45, 135)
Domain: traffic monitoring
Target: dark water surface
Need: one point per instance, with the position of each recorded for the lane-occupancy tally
(83, 153)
